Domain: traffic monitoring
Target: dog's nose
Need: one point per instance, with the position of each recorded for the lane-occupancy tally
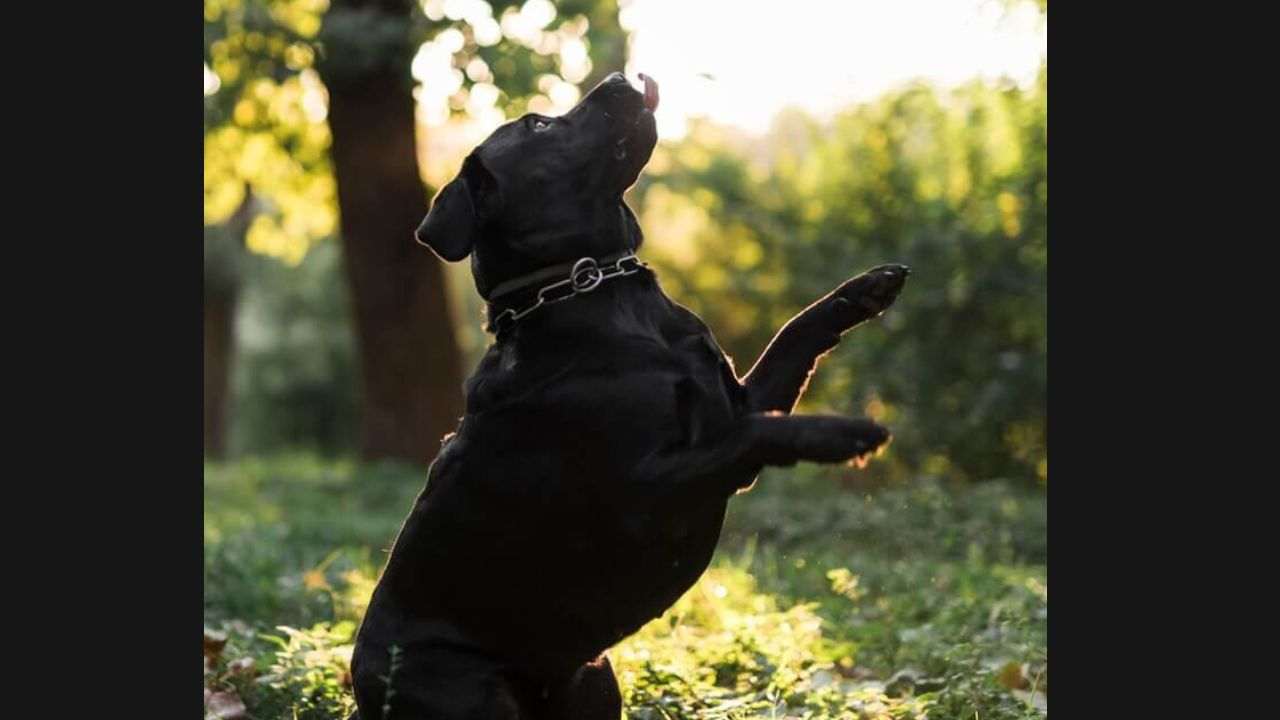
(611, 80)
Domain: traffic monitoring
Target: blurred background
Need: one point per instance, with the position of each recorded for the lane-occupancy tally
(801, 143)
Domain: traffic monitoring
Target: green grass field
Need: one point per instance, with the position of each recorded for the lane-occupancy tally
(823, 601)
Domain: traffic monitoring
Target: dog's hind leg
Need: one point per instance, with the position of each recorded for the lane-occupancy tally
(782, 372)
(591, 694)
(440, 683)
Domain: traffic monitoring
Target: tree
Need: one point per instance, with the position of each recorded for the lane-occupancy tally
(265, 55)
(412, 376)
(267, 184)
(223, 251)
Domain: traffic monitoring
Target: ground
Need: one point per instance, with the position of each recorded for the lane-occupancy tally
(824, 600)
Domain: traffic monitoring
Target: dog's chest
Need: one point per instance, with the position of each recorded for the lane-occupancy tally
(672, 385)
(544, 481)
(659, 398)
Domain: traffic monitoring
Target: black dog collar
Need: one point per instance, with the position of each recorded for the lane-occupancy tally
(576, 279)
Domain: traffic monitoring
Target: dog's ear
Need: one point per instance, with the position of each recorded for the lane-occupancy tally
(452, 225)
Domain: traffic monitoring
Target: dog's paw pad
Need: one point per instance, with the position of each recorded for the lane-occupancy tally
(868, 295)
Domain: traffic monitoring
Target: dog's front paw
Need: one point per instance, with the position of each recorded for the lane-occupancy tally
(868, 295)
(838, 439)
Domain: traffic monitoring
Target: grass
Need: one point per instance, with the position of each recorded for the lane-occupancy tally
(822, 602)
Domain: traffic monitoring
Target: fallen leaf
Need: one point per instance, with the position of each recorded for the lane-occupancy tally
(315, 580)
(214, 641)
(1013, 677)
(224, 706)
(242, 666)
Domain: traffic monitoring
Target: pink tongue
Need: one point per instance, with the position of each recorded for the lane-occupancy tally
(650, 92)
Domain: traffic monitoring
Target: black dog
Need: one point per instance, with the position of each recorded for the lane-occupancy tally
(605, 431)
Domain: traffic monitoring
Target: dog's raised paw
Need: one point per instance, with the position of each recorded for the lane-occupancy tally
(861, 460)
(841, 440)
(868, 295)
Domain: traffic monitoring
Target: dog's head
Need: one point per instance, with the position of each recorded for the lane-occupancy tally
(545, 190)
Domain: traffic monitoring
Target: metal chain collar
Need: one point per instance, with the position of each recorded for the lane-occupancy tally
(585, 276)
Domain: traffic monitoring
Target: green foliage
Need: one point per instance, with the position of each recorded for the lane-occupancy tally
(312, 670)
(954, 186)
(264, 122)
(265, 104)
(287, 540)
(725, 650)
(295, 378)
(747, 233)
(821, 602)
(286, 672)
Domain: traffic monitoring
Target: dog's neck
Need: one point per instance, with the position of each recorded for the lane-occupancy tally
(615, 241)
(520, 297)
(584, 315)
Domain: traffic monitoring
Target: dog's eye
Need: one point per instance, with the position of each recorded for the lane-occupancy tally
(539, 125)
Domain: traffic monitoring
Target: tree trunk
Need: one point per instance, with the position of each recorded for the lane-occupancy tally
(410, 365)
(224, 247)
(219, 344)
